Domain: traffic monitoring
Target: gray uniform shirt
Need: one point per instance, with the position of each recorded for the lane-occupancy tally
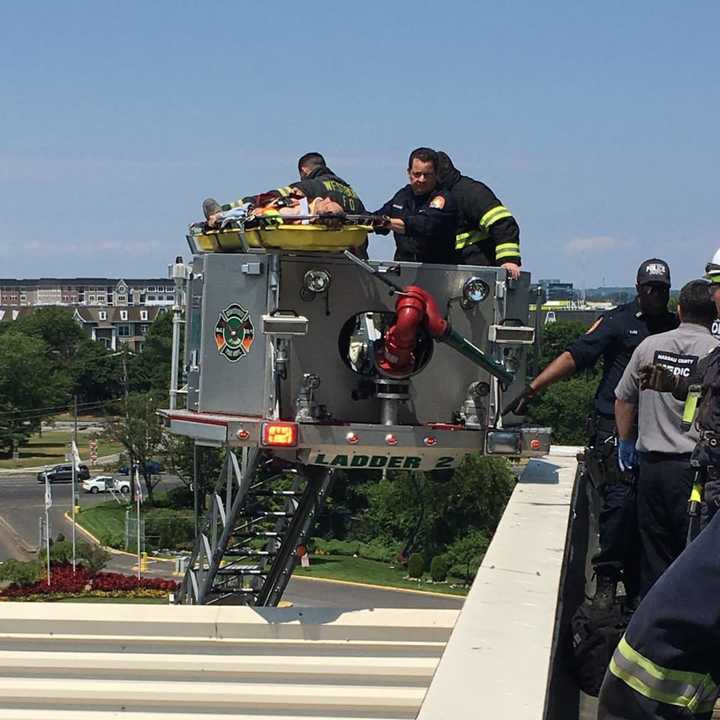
(660, 414)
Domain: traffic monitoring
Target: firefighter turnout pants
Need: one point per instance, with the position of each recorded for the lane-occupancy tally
(667, 665)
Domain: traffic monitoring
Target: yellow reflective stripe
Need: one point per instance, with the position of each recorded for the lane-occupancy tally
(507, 250)
(695, 691)
(492, 216)
(285, 190)
(470, 238)
(713, 277)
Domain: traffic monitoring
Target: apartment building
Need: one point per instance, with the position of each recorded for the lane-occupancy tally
(117, 326)
(110, 292)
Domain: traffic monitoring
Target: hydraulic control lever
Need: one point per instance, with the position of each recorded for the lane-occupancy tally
(415, 308)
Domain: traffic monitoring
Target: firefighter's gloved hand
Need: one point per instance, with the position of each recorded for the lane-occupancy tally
(656, 377)
(627, 455)
(519, 405)
(381, 222)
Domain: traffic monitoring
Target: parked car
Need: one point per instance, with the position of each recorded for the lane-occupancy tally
(152, 467)
(106, 483)
(63, 473)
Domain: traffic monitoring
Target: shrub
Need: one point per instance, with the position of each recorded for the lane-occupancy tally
(416, 565)
(439, 568)
(93, 557)
(168, 528)
(373, 550)
(466, 553)
(180, 497)
(16, 571)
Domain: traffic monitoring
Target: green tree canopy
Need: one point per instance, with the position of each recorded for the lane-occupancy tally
(31, 386)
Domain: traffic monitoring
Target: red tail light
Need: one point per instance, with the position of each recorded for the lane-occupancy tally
(279, 434)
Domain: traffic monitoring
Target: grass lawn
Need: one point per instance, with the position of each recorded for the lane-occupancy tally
(342, 567)
(50, 448)
(108, 519)
(104, 521)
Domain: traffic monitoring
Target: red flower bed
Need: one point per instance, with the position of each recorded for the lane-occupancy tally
(64, 582)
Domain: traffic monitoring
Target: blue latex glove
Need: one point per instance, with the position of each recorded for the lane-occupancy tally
(627, 455)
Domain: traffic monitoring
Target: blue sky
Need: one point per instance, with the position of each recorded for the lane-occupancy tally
(596, 123)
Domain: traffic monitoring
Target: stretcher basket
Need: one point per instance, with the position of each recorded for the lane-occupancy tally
(287, 237)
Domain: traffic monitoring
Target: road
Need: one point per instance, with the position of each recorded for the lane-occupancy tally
(22, 503)
(22, 500)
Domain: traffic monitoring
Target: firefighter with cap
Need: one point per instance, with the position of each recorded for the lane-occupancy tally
(487, 233)
(650, 428)
(612, 337)
(667, 664)
(421, 215)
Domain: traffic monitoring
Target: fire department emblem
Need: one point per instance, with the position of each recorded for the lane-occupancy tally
(234, 332)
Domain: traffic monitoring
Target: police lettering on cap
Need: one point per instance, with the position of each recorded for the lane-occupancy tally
(654, 271)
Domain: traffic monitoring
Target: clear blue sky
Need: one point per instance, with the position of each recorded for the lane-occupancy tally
(596, 123)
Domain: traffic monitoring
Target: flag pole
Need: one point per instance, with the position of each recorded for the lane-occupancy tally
(75, 464)
(138, 496)
(48, 505)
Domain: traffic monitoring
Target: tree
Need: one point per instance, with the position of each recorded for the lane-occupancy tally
(96, 373)
(565, 405)
(150, 370)
(31, 388)
(139, 430)
(56, 327)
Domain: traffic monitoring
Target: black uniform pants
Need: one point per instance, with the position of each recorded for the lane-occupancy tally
(618, 557)
(663, 491)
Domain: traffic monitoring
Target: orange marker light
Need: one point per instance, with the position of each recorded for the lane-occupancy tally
(279, 434)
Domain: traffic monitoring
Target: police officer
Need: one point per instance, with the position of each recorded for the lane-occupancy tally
(667, 665)
(421, 215)
(664, 448)
(613, 336)
(487, 233)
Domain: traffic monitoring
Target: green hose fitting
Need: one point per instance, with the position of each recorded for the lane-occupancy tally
(460, 343)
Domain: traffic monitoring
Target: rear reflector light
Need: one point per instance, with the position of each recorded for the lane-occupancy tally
(279, 434)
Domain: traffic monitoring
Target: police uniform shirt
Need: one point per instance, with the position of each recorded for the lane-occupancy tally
(660, 414)
(614, 336)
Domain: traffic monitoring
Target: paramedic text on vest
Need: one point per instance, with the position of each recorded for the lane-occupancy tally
(612, 337)
(421, 216)
(487, 233)
(663, 447)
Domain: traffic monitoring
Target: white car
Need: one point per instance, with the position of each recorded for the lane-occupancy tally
(106, 483)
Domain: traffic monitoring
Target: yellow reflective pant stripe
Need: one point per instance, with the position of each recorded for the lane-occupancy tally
(493, 215)
(285, 190)
(507, 250)
(694, 691)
